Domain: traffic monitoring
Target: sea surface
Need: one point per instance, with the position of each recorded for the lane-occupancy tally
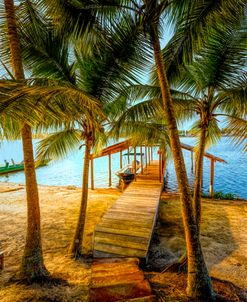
(229, 178)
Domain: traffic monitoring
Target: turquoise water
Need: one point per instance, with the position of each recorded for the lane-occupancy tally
(230, 177)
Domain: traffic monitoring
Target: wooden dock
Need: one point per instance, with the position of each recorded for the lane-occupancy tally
(126, 228)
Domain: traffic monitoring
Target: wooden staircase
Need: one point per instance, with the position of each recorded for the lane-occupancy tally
(119, 279)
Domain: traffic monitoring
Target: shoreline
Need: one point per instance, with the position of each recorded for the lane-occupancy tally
(73, 187)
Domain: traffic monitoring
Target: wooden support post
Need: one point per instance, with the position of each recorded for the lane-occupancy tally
(211, 187)
(1, 260)
(121, 159)
(109, 169)
(149, 157)
(151, 152)
(92, 175)
(146, 156)
(128, 155)
(141, 160)
(160, 167)
(192, 162)
(135, 162)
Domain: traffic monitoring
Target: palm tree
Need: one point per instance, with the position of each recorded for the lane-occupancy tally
(99, 74)
(216, 84)
(32, 266)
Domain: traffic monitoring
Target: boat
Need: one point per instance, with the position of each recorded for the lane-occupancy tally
(16, 167)
(126, 174)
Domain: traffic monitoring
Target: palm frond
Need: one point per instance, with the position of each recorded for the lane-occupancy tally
(120, 61)
(192, 21)
(10, 129)
(234, 99)
(58, 145)
(236, 128)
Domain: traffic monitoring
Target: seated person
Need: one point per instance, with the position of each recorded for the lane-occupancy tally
(13, 162)
(6, 163)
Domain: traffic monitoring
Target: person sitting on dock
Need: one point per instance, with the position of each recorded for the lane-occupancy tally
(6, 163)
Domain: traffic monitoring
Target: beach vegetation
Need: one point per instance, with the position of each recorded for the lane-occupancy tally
(221, 195)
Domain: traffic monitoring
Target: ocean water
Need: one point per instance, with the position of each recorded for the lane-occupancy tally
(229, 178)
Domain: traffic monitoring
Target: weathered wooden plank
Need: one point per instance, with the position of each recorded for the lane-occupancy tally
(129, 217)
(117, 250)
(134, 210)
(119, 243)
(108, 223)
(122, 238)
(141, 214)
(150, 203)
(142, 202)
(112, 271)
(126, 223)
(123, 232)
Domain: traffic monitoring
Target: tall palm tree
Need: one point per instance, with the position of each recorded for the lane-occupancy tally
(99, 73)
(32, 266)
(216, 83)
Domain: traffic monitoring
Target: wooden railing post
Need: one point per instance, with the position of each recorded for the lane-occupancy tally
(146, 156)
(109, 169)
(141, 160)
(1, 260)
(92, 175)
(211, 187)
(121, 160)
(160, 167)
(192, 162)
(135, 162)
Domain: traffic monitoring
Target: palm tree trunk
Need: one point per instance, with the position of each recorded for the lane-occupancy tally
(75, 247)
(199, 283)
(32, 266)
(198, 178)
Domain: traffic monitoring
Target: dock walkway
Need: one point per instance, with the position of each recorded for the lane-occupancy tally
(127, 227)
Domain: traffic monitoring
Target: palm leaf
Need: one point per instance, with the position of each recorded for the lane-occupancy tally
(59, 144)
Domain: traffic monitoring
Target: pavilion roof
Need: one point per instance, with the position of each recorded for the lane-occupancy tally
(127, 143)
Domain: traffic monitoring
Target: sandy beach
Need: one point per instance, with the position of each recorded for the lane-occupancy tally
(224, 237)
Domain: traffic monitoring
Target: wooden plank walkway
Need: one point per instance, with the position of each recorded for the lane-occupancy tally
(127, 227)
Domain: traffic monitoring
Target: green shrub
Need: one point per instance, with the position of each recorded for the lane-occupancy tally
(220, 195)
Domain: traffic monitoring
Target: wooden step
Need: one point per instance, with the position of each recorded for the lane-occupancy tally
(151, 298)
(118, 250)
(120, 292)
(129, 232)
(118, 279)
(122, 241)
